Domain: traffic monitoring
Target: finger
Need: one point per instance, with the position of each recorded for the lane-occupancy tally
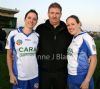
(15, 82)
(11, 81)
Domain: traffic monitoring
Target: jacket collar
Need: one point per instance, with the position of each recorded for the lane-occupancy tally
(60, 27)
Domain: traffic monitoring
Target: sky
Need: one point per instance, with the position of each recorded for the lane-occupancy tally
(88, 11)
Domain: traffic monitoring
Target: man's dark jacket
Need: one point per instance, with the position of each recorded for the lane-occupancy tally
(52, 48)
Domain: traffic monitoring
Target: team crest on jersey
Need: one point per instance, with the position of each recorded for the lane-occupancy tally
(94, 47)
(36, 85)
(19, 42)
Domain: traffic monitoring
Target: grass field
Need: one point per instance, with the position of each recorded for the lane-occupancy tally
(4, 77)
(97, 72)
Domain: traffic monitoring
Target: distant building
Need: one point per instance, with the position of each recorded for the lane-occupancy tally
(7, 19)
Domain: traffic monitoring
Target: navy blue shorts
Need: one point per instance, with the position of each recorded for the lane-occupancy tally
(27, 84)
(74, 82)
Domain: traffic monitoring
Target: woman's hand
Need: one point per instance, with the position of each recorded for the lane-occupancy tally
(13, 79)
(85, 85)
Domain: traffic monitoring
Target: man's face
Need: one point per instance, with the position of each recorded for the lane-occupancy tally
(54, 15)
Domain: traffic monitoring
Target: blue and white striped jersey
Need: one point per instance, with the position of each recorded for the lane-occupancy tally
(78, 53)
(24, 49)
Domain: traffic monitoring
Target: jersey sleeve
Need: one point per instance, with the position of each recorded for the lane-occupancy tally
(9, 42)
(90, 44)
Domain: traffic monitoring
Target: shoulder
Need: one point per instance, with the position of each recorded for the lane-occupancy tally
(36, 33)
(40, 27)
(63, 26)
(62, 23)
(12, 33)
(87, 37)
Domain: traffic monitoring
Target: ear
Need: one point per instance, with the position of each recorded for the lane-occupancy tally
(61, 14)
(79, 24)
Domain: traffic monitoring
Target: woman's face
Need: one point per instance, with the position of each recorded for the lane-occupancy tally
(31, 20)
(72, 26)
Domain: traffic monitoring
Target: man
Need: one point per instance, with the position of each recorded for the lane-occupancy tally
(53, 43)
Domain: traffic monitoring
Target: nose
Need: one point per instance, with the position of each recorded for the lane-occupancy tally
(54, 15)
(69, 27)
(31, 20)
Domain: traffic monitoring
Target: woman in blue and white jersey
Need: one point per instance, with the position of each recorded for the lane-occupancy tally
(81, 56)
(21, 54)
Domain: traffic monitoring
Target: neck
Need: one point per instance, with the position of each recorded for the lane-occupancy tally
(27, 30)
(55, 24)
(78, 32)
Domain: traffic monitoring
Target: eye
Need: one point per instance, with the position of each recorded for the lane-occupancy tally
(72, 24)
(29, 17)
(35, 19)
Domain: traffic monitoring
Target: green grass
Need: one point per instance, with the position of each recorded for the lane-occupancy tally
(4, 76)
(97, 71)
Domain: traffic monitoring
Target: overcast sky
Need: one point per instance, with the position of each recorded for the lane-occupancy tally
(87, 10)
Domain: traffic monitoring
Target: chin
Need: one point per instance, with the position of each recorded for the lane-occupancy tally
(30, 27)
(71, 33)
